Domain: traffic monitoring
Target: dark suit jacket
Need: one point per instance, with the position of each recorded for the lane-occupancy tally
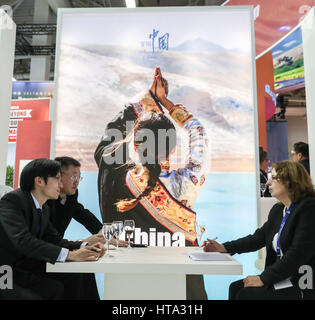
(297, 242)
(61, 215)
(19, 246)
(306, 164)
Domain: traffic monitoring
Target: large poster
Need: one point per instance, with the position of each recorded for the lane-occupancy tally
(106, 59)
(288, 63)
(111, 60)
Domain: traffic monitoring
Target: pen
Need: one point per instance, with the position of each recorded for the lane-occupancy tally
(208, 240)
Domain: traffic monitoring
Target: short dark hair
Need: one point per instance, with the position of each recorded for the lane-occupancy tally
(301, 147)
(262, 155)
(65, 162)
(38, 168)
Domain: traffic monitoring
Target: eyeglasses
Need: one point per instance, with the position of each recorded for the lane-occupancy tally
(274, 178)
(76, 178)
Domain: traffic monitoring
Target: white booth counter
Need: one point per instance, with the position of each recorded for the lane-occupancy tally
(152, 273)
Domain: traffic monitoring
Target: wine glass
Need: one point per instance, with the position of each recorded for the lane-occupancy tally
(263, 187)
(108, 233)
(269, 169)
(118, 229)
(129, 226)
(200, 228)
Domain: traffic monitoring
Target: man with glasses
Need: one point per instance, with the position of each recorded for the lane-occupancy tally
(28, 240)
(67, 206)
(263, 166)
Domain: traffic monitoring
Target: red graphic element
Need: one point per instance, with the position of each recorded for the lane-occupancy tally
(270, 108)
(21, 110)
(33, 141)
(264, 72)
(274, 19)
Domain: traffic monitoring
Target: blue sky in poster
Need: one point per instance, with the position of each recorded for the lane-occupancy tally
(293, 40)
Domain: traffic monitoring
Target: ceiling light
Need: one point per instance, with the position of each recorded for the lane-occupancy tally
(130, 3)
(284, 28)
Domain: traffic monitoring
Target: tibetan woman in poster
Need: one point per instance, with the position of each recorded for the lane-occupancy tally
(135, 181)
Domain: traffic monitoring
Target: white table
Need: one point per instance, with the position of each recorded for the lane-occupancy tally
(153, 273)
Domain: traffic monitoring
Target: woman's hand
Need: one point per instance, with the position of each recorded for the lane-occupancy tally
(159, 85)
(213, 246)
(253, 281)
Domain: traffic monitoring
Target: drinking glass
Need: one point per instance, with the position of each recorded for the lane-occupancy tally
(108, 232)
(263, 188)
(129, 226)
(269, 169)
(200, 229)
(118, 229)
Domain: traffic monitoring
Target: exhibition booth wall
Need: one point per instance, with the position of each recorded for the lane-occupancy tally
(7, 45)
(212, 73)
(210, 67)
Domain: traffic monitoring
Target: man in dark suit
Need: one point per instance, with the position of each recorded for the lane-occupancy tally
(263, 168)
(67, 207)
(28, 240)
(300, 154)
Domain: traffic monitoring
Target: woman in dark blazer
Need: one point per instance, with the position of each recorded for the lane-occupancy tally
(289, 238)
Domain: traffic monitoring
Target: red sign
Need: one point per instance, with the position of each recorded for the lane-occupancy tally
(274, 19)
(266, 99)
(33, 141)
(21, 110)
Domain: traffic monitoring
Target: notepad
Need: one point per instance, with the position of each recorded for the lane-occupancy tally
(209, 256)
(283, 284)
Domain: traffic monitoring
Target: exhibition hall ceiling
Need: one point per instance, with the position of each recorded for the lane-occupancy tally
(23, 15)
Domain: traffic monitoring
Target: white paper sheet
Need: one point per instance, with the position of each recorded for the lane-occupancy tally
(283, 284)
(209, 256)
